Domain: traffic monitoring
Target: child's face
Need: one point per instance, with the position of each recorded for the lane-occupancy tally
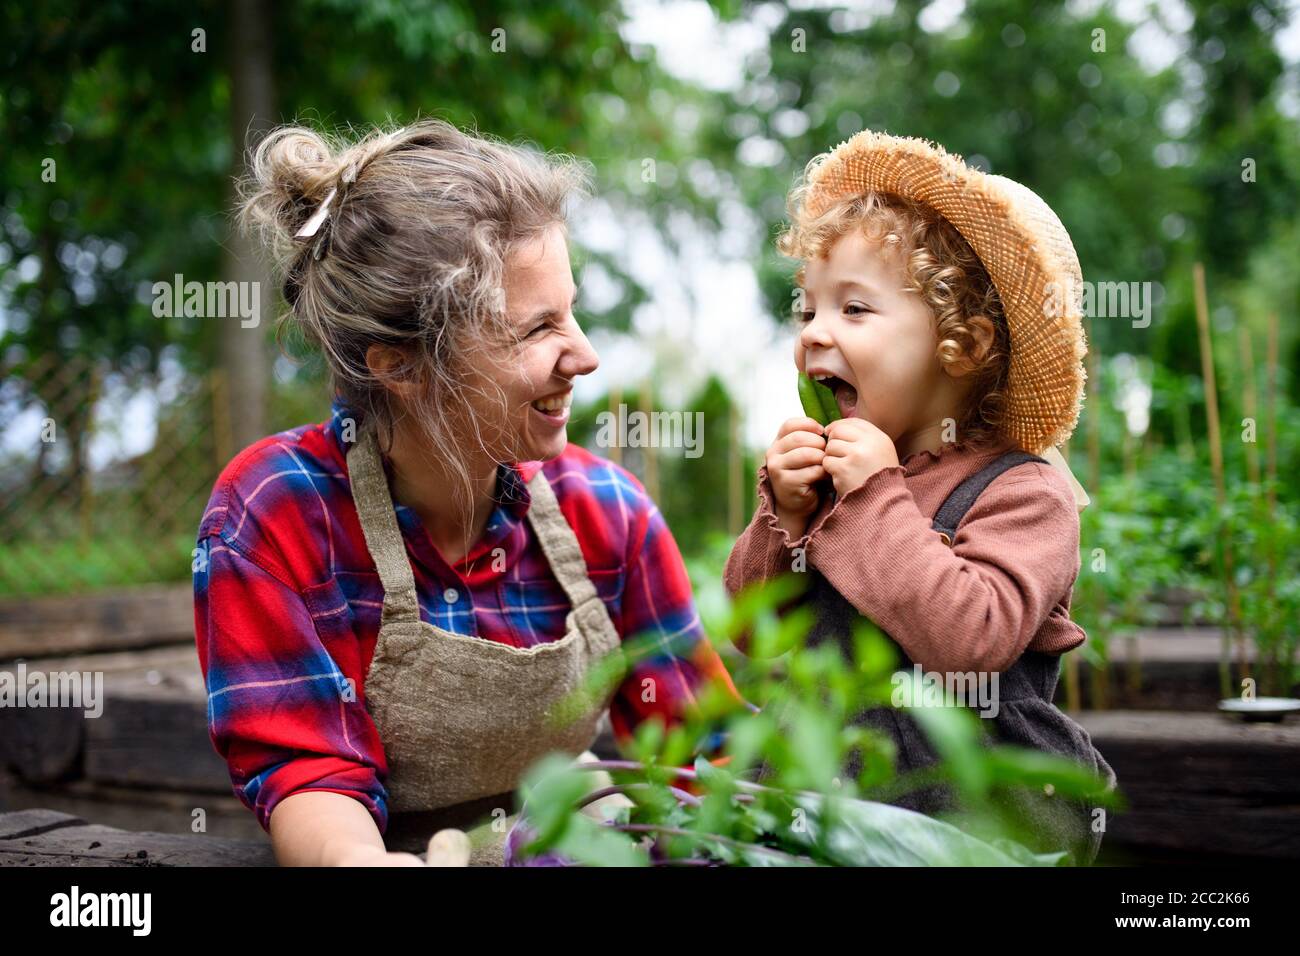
(860, 326)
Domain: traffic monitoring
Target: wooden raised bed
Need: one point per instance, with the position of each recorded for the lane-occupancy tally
(1198, 784)
(93, 623)
(1201, 785)
(50, 838)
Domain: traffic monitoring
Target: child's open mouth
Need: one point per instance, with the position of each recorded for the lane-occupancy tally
(846, 396)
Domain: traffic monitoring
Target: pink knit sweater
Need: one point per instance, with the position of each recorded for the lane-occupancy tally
(1002, 587)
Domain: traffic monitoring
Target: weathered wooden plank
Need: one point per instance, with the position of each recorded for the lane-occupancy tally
(1196, 731)
(152, 730)
(1179, 670)
(137, 808)
(77, 843)
(1201, 783)
(154, 733)
(30, 822)
(104, 621)
(43, 744)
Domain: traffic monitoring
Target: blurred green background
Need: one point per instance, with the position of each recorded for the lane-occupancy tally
(1163, 134)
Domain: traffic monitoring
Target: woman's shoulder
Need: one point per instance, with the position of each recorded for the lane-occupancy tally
(276, 480)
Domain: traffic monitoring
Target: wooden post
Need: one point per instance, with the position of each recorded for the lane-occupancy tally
(1221, 495)
(223, 438)
(1248, 401)
(87, 510)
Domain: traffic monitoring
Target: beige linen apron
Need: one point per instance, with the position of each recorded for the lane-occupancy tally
(461, 718)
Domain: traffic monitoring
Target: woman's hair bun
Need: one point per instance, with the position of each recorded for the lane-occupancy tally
(290, 172)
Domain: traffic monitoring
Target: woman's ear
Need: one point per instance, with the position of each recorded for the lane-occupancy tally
(386, 365)
(981, 330)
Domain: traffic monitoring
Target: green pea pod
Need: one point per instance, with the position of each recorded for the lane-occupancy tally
(818, 401)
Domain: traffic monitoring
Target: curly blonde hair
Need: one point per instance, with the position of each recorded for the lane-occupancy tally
(942, 268)
(412, 256)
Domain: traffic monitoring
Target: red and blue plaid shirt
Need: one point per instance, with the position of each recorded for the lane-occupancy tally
(287, 605)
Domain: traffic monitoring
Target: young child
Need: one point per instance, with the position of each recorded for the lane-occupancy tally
(942, 306)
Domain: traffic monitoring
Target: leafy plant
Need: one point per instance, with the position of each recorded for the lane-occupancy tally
(690, 804)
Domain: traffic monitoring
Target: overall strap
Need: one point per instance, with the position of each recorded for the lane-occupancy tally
(379, 524)
(559, 543)
(956, 505)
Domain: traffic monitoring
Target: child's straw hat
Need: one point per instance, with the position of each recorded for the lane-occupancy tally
(1024, 247)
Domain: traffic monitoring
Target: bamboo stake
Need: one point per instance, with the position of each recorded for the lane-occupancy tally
(1221, 496)
(1270, 453)
(1099, 679)
(1094, 418)
(735, 477)
(1248, 400)
(1248, 406)
(616, 449)
(1183, 425)
(651, 455)
(1099, 676)
(1072, 700)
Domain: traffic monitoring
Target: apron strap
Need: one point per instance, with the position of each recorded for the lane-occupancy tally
(559, 543)
(961, 499)
(379, 524)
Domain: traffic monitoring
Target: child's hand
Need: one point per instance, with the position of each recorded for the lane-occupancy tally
(794, 466)
(856, 450)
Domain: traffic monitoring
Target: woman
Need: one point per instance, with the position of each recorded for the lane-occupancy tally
(396, 599)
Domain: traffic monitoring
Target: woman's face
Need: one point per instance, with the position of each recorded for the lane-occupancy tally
(536, 375)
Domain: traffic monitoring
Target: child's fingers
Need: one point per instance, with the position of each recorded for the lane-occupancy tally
(798, 440)
(799, 458)
(838, 448)
(808, 476)
(801, 424)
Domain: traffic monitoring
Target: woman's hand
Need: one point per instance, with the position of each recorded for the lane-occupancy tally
(794, 466)
(362, 854)
(448, 847)
(856, 450)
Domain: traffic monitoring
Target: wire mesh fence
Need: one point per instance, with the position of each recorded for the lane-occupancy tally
(103, 481)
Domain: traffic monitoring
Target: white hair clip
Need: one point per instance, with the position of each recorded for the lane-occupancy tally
(310, 227)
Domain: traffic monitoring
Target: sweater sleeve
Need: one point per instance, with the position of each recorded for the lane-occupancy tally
(764, 549)
(974, 606)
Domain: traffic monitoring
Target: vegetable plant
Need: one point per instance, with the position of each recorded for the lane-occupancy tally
(693, 797)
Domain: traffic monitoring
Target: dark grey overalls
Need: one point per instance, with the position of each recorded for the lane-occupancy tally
(1026, 715)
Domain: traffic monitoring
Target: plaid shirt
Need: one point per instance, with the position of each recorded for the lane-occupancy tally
(287, 605)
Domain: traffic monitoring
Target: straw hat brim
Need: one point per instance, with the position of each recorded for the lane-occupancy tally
(1023, 246)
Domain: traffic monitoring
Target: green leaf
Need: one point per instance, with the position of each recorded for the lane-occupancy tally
(551, 788)
(592, 844)
(878, 834)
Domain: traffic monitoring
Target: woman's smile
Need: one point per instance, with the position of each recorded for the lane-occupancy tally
(553, 410)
